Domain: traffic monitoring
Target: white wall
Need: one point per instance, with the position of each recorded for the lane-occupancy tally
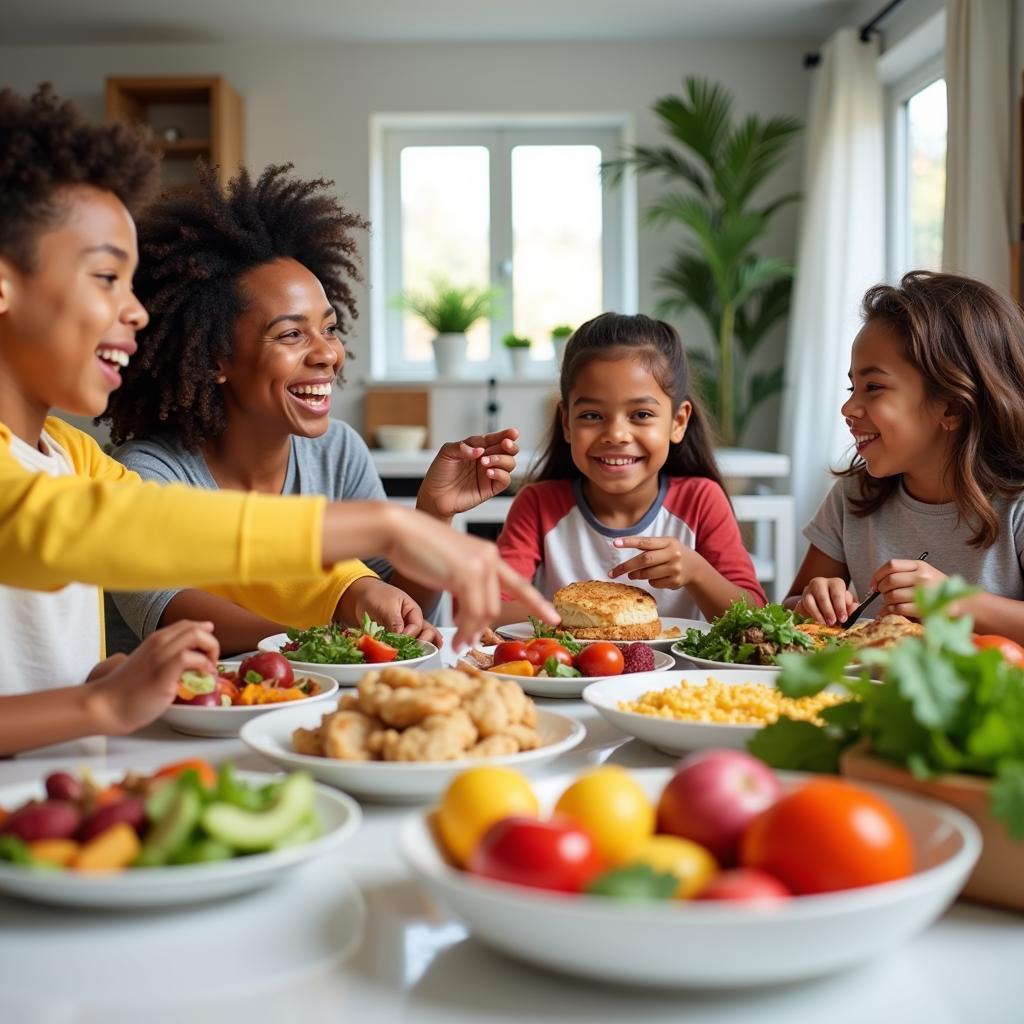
(310, 104)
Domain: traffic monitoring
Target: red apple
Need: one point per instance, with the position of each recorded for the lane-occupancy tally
(746, 885)
(271, 667)
(207, 700)
(712, 798)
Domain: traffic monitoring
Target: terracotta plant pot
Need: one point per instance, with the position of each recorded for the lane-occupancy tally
(998, 877)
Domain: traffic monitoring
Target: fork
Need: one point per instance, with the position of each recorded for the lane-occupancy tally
(859, 610)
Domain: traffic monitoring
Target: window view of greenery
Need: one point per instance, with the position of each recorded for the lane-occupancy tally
(446, 231)
(926, 174)
(556, 254)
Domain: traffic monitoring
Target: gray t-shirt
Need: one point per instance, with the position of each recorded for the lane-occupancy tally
(337, 465)
(904, 527)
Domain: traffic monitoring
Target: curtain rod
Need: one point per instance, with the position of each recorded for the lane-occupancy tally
(811, 60)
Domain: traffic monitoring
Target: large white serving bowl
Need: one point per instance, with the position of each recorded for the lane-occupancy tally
(524, 631)
(556, 686)
(396, 781)
(347, 675)
(199, 721)
(698, 944)
(675, 736)
(186, 883)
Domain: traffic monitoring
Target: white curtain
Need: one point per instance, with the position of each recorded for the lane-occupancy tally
(840, 253)
(976, 233)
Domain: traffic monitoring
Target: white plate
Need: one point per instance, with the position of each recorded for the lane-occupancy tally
(271, 736)
(347, 675)
(708, 663)
(524, 631)
(542, 686)
(705, 945)
(675, 736)
(186, 883)
(201, 721)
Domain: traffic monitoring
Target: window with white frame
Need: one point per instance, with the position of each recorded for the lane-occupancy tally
(917, 162)
(516, 204)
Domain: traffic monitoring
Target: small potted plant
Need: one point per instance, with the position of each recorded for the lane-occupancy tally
(946, 721)
(560, 336)
(519, 352)
(451, 310)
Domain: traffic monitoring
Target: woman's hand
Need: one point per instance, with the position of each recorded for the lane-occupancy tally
(386, 605)
(141, 686)
(466, 473)
(896, 581)
(663, 561)
(827, 600)
(441, 558)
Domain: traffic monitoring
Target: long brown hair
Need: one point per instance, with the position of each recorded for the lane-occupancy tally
(967, 342)
(658, 345)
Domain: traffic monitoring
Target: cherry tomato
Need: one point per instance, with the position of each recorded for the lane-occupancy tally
(542, 854)
(538, 651)
(510, 650)
(374, 651)
(829, 835)
(600, 659)
(271, 667)
(1011, 652)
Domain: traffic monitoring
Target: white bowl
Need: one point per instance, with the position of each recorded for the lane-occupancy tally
(347, 675)
(542, 686)
(186, 883)
(674, 736)
(697, 944)
(393, 438)
(200, 721)
(271, 736)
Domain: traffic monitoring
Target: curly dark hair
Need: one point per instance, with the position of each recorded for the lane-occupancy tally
(194, 249)
(46, 145)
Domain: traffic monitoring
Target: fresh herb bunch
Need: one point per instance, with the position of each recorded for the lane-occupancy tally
(335, 644)
(724, 640)
(944, 706)
(565, 639)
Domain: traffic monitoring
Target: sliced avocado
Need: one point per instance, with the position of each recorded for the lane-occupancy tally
(307, 829)
(171, 831)
(260, 830)
(203, 850)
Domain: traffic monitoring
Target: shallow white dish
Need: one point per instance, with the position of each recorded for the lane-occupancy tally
(730, 665)
(347, 675)
(542, 686)
(704, 945)
(668, 734)
(187, 883)
(227, 721)
(271, 736)
(524, 631)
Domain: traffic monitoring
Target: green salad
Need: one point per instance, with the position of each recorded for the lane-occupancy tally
(335, 644)
(746, 636)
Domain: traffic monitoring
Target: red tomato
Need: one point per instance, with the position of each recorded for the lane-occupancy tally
(375, 651)
(829, 835)
(600, 659)
(271, 667)
(542, 854)
(538, 651)
(1011, 651)
(744, 885)
(510, 650)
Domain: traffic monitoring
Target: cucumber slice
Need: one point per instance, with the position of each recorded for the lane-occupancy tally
(260, 830)
(203, 851)
(306, 830)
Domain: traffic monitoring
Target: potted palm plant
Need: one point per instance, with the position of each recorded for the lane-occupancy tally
(560, 336)
(451, 310)
(717, 166)
(519, 352)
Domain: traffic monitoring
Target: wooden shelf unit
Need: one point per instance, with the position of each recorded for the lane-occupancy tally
(204, 109)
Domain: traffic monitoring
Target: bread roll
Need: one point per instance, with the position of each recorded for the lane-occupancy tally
(597, 609)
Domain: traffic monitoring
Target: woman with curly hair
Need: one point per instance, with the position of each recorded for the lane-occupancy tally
(249, 294)
(70, 515)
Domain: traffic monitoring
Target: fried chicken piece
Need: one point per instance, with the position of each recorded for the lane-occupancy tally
(349, 702)
(487, 708)
(488, 638)
(442, 737)
(345, 735)
(525, 737)
(308, 742)
(494, 746)
(407, 706)
(519, 707)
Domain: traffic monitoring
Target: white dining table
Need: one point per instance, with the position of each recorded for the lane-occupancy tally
(352, 938)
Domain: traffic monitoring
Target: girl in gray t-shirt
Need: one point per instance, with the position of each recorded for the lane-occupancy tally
(936, 410)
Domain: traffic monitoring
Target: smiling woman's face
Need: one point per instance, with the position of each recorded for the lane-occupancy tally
(286, 352)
